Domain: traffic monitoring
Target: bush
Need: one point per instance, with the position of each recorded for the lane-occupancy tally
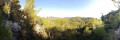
(100, 33)
(5, 33)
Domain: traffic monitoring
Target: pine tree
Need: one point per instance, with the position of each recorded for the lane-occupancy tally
(30, 19)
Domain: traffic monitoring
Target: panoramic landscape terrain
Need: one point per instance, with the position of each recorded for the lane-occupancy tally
(59, 19)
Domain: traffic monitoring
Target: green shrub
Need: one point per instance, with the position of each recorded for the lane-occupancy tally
(100, 33)
(5, 33)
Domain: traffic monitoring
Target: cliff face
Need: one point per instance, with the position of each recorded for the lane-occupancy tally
(15, 28)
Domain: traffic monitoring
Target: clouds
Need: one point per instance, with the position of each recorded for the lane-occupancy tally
(101, 6)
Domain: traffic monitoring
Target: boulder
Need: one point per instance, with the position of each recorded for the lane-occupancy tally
(40, 30)
(15, 28)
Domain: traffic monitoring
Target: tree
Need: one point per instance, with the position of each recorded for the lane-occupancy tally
(100, 33)
(15, 13)
(5, 33)
(30, 19)
(116, 3)
(6, 8)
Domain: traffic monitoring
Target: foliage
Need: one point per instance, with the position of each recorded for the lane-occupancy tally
(39, 28)
(5, 33)
(65, 29)
(7, 9)
(100, 32)
(15, 13)
(111, 21)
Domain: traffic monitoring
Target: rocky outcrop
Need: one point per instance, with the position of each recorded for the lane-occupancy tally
(15, 28)
(40, 31)
(17, 31)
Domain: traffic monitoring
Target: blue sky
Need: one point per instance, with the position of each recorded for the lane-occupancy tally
(72, 8)
(66, 5)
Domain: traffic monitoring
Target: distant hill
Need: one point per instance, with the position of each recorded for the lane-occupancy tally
(54, 18)
(69, 18)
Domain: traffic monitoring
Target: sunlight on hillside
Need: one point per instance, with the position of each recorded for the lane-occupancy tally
(59, 20)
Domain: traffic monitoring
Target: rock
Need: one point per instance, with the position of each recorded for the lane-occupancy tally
(15, 28)
(40, 30)
(8, 23)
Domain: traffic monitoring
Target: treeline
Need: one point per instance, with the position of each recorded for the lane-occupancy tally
(40, 28)
(75, 28)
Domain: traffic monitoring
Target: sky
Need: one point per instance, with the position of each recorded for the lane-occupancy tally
(72, 8)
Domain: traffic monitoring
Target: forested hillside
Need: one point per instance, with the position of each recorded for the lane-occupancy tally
(29, 26)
